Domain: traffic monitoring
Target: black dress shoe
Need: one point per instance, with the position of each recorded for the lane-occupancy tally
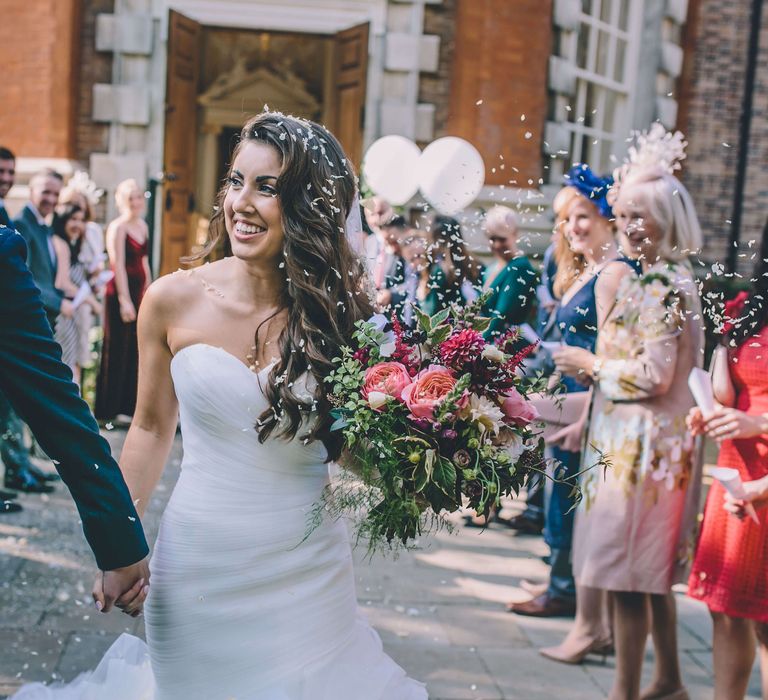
(525, 526)
(41, 475)
(24, 480)
(8, 495)
(9, 507)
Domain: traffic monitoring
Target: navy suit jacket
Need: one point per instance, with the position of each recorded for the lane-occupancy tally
(5, 220)
(39, 261)
(40, 388)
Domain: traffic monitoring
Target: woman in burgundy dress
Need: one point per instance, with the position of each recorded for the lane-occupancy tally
(127, 247)
(730, 571)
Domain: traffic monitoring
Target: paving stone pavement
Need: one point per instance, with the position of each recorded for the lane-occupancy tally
(439, 610)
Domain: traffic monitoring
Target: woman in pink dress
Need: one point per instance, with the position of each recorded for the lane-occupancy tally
(636, 519)
(730, 571)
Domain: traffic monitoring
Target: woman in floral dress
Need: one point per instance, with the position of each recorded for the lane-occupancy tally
(635, 523)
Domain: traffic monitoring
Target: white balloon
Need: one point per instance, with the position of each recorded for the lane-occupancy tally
(451, 174)
(390, 168)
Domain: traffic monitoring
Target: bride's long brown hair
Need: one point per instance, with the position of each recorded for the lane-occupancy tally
(324, 291)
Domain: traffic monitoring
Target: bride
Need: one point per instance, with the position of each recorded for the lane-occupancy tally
(242, 606)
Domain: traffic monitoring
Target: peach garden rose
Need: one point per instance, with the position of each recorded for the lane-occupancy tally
(428, 389)
(382, 380)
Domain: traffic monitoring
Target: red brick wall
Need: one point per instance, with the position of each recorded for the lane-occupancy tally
(95, 67)
(40, 74)
(711, 92)
(435, 88)
(500, 61)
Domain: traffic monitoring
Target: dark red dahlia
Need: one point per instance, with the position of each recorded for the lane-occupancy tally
(462, 349)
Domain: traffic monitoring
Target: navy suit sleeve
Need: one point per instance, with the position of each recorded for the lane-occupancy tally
(40, 388)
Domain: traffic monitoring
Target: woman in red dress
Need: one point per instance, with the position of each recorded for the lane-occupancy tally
(127, 242)
(730, 570)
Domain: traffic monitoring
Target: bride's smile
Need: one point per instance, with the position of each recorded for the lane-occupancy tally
(252, 209)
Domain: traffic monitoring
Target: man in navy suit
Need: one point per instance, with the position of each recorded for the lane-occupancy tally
(20, 473)
(7, 177)
(40, 387)
(44, 188)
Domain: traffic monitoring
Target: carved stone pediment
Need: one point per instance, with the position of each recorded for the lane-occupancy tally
(244, 91)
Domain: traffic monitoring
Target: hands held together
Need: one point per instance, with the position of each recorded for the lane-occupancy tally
(125, 588)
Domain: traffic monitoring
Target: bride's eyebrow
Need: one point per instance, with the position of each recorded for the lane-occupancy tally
(257, 179)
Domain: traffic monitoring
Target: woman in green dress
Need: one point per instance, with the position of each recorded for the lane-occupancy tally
(511, 278)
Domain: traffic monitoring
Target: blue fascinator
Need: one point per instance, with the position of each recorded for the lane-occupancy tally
(593, 187)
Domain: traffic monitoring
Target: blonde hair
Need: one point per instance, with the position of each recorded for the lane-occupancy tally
(569, 264)
(505, 217)
(671, 207)
(123, 193)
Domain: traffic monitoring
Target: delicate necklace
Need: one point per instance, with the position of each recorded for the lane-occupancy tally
(250, 357)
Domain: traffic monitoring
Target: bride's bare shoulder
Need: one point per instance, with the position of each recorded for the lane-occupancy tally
(173, 292)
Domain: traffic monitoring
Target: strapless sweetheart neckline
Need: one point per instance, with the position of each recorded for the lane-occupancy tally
(223, 351)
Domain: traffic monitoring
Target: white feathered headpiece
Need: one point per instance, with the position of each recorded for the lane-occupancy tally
(81, 182)
(656, 150)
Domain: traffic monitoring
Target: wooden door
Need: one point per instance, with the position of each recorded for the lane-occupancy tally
(184, 37)
(347, 108)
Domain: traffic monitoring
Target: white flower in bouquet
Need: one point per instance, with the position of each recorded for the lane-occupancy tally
(486, 413)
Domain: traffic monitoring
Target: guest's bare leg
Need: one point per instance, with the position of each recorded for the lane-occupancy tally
(762, 645)
(590, 628)
(631, 625)
(666, 677)
(733, 653)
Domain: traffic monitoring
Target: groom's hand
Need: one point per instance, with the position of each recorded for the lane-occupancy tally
(125, 588)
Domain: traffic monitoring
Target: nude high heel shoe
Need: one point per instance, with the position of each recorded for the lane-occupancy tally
(563, 655)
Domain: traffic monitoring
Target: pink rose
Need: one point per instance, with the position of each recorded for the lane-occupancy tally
(517, 410)
(388, 378)
(428, 389)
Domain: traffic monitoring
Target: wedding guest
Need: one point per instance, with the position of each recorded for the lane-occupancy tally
(452, 271)
(31, 223)
(589, 271)
(511, 278)
(415, 249)
(636, 517)
(730, 570)
(378, 211)
(127, 238)
(7, 178)
(389, 270)
(83, 192)
(10, 426)
(69, 232)
(44, 187)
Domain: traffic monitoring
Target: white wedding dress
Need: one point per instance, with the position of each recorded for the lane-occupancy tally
(241, 605)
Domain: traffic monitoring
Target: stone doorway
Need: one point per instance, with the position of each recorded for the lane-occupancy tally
(217, 78)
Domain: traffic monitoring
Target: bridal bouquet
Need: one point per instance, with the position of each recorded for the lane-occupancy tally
(431, 418)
